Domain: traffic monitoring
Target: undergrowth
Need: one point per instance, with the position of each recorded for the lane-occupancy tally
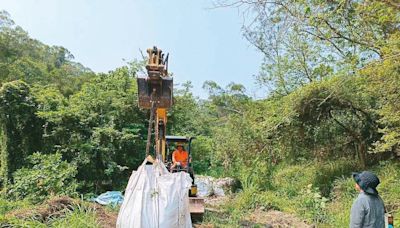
(319, 193)
(24, 214)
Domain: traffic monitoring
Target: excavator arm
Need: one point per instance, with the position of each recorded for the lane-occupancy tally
(155, 93)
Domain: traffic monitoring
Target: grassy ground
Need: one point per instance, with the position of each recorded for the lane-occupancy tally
(320, 194)
(317, 193)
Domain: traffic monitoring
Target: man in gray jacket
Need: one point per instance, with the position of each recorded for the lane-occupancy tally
(368, 210)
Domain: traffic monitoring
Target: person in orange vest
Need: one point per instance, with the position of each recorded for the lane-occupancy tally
(180, 157)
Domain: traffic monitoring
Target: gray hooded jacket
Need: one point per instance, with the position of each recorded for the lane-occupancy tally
(368, 211)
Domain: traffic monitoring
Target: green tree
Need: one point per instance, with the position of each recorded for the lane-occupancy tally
(27, 59)
(304, 41)
(100, 128)
(48, 176)
(20, 128)
(382, 80)
(335, 116)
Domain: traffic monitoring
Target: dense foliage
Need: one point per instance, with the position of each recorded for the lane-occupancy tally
(48, 176)
(50, 103)
(333, 73)
(332, 68)
(295, 190)
(21, 129)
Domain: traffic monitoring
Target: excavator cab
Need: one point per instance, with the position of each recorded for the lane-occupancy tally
(185, 142)
(196, 204)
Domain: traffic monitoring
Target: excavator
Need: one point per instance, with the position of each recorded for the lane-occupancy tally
(155, 92)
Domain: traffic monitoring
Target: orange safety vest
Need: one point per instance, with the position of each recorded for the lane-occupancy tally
(181, 157)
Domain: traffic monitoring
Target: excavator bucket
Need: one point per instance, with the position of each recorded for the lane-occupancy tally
(196, 208)
(158, 85)
(162, 92)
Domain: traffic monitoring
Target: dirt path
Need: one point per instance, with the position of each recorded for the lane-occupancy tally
(267, 219)
(257, 218)
(106, 219)
(274, 219)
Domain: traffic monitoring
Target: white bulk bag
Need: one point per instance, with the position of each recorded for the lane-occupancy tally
(156, 198)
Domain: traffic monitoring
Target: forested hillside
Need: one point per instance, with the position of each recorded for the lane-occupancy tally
(333, 73)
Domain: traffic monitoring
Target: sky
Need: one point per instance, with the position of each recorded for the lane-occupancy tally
(204, 43)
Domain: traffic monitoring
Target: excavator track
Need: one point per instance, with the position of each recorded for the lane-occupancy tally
(196, 208)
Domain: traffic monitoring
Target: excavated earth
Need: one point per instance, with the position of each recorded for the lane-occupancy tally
(274, 219)
(257, 218)
(59, 207)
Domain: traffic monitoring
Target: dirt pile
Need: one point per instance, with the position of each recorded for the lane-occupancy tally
(50, 209)
(59, 207)
(105, 218)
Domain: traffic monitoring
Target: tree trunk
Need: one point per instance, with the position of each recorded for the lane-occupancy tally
(362, 154)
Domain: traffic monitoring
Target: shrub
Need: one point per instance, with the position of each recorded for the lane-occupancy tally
(338, 209)
(48, 176)
(292, 180)
(257, 176)
(314, 204)
(6, 205)
(247, 199)
(328, 172)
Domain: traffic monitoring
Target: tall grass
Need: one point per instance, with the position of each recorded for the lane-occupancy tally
(80, 216)
(343, 194)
